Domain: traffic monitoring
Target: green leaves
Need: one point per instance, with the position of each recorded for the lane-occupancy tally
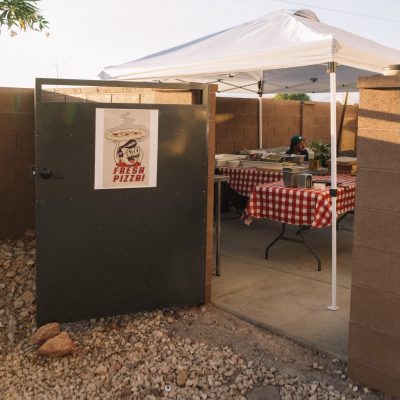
(321, 150)
(22, 14)
(292, 96)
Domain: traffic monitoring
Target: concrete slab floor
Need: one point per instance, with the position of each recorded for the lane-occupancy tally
(286, 294)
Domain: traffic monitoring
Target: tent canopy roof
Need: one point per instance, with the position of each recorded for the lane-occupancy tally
(287, 50)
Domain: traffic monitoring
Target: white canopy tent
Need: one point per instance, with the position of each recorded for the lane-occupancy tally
(281, 52)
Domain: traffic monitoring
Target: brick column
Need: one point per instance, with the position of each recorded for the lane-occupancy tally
(374, 338)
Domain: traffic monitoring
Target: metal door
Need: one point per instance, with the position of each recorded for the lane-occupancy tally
(107, 252)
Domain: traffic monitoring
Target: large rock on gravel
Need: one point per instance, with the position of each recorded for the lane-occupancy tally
(46, 332)
(181, 378)
(59, 345)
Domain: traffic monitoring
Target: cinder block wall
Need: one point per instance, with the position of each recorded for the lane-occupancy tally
(237, 123)
(374, 338)
(16, 160)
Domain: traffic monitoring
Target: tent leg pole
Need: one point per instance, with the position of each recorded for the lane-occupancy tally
(260, 130)
(332, 76)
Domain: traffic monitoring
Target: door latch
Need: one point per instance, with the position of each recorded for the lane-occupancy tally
(47, 173)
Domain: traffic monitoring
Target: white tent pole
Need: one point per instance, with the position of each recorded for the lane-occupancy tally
(332, 76)
(260, 121)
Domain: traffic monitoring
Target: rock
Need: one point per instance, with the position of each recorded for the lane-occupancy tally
(91, 388)
(19, 303)
(132, 339)
(12, 325)
(59, 345)
(101, 370)
(313, 388)
(181, 378)
(46, 332)
(28, 298)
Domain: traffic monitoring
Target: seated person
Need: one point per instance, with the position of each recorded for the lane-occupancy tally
(297, 146)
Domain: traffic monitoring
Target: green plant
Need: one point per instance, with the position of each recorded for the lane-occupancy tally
(292, 96)
(23, 14)
(322, 151)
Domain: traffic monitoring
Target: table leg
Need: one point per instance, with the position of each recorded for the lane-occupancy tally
(218, 233)
(290, 239)
(301, 228)
(280, 236)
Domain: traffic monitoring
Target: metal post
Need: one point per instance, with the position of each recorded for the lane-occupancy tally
(218, 229)
(332, 74)
(260, 112)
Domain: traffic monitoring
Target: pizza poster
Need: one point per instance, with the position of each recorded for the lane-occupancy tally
(126, 148)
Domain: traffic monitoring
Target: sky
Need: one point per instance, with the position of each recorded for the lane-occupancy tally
(87, 35)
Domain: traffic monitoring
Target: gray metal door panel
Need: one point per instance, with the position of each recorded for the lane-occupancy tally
(104, 252)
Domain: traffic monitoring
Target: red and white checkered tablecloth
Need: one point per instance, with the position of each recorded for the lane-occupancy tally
(243, 180)
(300, 206)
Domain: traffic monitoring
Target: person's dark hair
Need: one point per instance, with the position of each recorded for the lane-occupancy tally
(130, 144)
(294, 140)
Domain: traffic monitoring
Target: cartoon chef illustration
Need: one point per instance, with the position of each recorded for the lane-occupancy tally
(126, 138)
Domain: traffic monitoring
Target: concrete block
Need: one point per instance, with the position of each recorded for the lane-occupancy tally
(98, 98)
(6, 200)
(24, 157)
(378, 149)
(75, 98)
(26, 140)
(235, 133)
(379, 109)
(250, 132)
(147, 98)
(247, 143)
(375, 229)
(236, 106)
(24, 195)
(374, 378)
(77, 90)
(221, 105)
(378, 189)
(6, 219)
(369, 264)
(375, 349)
(251, 107)
(7, 178)
(172, 97)
(378, 81)
(53, 97)
(7, 158)
(23, 176)
(15, 100)
(376, 310)
(226, 147)
(25, 216)
(246, 121)
(221, 133)
(10, 122)
(8, 141)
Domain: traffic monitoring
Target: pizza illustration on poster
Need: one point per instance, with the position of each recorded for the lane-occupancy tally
(126, 148)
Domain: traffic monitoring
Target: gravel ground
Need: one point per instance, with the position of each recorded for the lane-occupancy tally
(199, 353)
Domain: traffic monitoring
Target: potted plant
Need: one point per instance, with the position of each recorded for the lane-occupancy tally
(322, 153)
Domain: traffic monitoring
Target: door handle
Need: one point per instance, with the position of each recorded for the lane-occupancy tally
(47, 173)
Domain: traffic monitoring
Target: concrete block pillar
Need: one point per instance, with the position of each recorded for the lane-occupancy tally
(374, 338)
